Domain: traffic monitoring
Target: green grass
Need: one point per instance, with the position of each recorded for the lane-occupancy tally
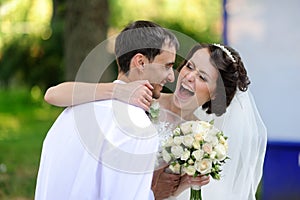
(24, 121)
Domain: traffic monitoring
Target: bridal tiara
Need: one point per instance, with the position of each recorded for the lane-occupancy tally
(226, 51)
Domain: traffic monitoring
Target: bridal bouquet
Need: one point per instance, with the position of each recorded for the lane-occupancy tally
(194, 148)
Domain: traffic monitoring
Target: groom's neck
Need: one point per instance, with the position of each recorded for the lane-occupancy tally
(129, 76)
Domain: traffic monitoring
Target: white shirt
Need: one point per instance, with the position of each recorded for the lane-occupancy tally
(100, 150)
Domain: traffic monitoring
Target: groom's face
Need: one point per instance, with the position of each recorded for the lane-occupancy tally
(160, 70)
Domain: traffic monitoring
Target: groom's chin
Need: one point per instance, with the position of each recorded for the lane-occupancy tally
(156, 90)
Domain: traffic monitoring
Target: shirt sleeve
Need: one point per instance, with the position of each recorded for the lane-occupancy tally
(128, 152)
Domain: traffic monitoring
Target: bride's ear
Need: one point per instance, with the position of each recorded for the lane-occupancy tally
(213, 95)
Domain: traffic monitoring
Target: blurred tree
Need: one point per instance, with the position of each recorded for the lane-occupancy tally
(31, 50)
(43, 42)
(199, 19)
(86, 26)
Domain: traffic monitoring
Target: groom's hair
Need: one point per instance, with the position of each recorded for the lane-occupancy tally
(143, 37)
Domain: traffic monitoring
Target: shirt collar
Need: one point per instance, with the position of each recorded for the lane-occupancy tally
(119, 81)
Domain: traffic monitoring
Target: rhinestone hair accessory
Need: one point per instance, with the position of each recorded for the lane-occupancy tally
(226, 51)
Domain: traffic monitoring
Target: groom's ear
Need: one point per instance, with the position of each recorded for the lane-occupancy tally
(139, 61)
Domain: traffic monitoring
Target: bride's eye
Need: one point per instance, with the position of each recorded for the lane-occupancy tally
(202, 77)
(190, 66)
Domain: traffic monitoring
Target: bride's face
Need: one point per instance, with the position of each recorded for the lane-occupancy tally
(196, 82)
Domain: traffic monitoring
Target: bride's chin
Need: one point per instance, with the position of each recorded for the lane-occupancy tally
(179, 103)
(186, 104)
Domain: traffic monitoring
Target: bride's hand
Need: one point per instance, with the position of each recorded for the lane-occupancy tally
(188, 181)
(138, 93)
(164, 184)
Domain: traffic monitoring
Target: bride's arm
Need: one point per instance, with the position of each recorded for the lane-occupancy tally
(73, 93)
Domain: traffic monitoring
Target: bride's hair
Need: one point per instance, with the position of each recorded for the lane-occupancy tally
(233, 76)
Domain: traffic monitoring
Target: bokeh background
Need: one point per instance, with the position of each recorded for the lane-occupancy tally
(43, 43)
(267, 35)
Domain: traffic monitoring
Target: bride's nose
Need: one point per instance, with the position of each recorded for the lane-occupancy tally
(190, 76)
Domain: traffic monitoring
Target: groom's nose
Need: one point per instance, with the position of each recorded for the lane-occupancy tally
(171, 76)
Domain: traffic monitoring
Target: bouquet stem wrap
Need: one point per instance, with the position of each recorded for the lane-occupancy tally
(195, 193)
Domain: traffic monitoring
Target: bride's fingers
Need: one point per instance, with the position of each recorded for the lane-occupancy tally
(147, 89)
(138, 93)
(145, 105)
(199, 180)
(141, 96)
(183, 185)
(142, 103)
(148, 85)
(148, 96)
(146, 101)
(185, 180)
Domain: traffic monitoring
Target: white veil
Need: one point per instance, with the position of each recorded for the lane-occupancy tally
(247, 139)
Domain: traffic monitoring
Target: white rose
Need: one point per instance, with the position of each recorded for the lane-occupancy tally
(190, 161)
(205, 124)
(188, 140)
(166, 156)
(197, 127)
(212, 139)
(203, 166)
(207, 147)
(196, 144)
(178, 140)
(221, 152)
(223, 141)
(198, 154)
(214, 131)
(213, 155)
(198, 136)
(205, 134)
(177, 151)
(175, 168)
(168, 142)
(186, 127)
(186, 155)
(190, 170)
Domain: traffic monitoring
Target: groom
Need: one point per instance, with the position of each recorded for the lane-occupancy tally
(106, 149)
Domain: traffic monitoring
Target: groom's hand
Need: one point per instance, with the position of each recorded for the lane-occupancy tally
(164, 184)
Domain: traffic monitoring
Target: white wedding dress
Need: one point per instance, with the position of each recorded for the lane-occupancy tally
(247, 139)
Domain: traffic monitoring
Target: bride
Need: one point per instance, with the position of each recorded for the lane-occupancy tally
(212, 84)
